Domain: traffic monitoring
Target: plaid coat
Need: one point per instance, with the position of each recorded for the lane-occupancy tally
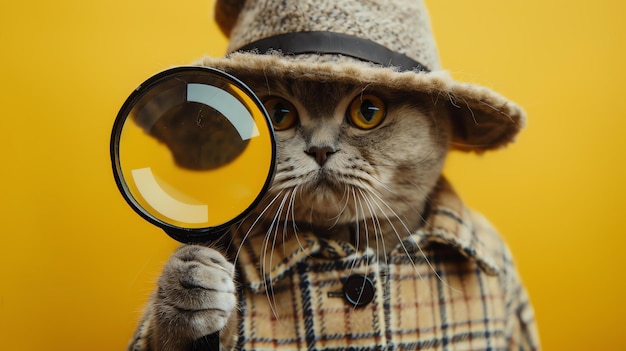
(452, 286)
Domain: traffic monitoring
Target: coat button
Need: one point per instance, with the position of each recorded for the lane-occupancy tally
(358, 290)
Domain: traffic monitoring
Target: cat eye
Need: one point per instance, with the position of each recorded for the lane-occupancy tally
(282, 113)
(367, 111)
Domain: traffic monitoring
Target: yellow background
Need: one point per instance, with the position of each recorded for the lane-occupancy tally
(76, 263)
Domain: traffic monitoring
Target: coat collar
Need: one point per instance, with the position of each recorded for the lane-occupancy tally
(449, 222)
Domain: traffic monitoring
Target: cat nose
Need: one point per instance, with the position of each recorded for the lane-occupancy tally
(320, 154)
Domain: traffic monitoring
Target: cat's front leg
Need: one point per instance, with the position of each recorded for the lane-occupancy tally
(195, 297)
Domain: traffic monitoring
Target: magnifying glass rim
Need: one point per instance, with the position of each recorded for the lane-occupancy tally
(181, 234)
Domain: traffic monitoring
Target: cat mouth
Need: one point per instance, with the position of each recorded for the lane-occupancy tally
(326, 185)
(326, 179)
(322, 199)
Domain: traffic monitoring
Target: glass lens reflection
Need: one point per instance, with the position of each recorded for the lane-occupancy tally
(195, 151)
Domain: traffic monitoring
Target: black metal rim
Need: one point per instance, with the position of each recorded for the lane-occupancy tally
(184, 235)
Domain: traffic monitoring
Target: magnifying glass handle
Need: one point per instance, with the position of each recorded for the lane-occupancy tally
(209, 342)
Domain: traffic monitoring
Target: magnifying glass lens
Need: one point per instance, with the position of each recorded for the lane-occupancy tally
(192, 151)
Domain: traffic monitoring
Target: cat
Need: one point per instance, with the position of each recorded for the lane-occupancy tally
(357, 164)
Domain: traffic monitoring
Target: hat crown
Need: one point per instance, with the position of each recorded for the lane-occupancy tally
(401, 26)
(386, 43)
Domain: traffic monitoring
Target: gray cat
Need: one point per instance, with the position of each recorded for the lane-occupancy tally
(360, 242)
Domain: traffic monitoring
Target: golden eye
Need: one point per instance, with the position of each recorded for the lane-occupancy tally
(282, 113)
(367, 111)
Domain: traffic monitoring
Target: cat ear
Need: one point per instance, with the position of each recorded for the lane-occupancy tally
(482, 128)
(226, 13)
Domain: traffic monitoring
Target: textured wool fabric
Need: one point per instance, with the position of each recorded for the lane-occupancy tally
(402, 26)
(484, 120)
(451, 286)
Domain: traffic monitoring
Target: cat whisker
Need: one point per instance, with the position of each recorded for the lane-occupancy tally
(356, 237)
(245, 236)
(406, 251)
(358, 207)
(343, 208)
(378, 232)
(379, 200)
(393, 228)
(363, 199)
(266, 271)
(290, 211)
(294, 224)
(401, 197)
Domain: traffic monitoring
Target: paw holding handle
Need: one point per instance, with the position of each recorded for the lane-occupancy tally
(197, 292)
(193, 152)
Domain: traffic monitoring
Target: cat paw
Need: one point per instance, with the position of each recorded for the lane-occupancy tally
(196, 292)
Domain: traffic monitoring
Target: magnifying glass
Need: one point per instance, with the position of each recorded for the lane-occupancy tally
(193, 151)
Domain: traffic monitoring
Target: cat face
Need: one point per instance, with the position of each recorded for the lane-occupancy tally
(351, 157)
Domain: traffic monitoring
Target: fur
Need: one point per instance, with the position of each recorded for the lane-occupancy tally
(372, 190)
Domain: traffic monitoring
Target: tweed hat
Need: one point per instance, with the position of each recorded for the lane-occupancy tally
(385, 43)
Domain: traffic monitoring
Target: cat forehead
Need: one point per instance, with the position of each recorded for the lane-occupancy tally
(322, 98)
(317, 98)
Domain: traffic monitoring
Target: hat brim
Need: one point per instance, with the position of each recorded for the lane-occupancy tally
(482, 119)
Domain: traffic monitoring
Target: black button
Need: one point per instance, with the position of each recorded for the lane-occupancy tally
(358, 290)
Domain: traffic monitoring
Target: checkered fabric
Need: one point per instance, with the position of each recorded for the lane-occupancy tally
(451, 286)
